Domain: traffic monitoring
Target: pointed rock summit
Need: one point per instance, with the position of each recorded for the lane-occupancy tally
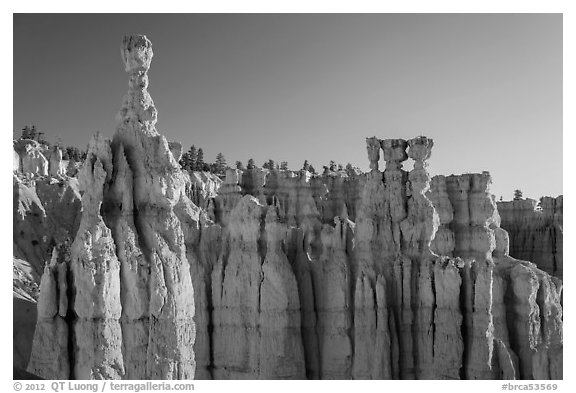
(131, 301)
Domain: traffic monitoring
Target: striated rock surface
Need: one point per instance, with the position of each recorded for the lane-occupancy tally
(535, 231)
(133, 305)
(331, 279)
(255, 296)
(50, 356)
(202, 187)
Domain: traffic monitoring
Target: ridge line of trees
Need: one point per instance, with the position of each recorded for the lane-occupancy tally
(193, 160)
(31, 132)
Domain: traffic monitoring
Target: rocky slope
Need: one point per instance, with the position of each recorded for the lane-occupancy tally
(536, 231)
(46, 212)
(384, 275)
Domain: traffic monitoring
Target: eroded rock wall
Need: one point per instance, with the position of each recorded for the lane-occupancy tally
(46, 212)
(284, 275)
(536, 231)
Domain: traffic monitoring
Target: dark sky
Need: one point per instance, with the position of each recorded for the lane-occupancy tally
(486, 87)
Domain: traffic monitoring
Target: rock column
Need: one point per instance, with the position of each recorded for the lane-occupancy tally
(395, 192)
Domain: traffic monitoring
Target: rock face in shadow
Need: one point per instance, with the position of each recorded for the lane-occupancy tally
(286, 275)
(24, 314)
(536, 231)
(256, 305)
(46, 212)
(50, 357)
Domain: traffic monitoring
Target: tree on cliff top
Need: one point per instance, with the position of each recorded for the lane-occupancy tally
(220, 166)
(200, 161)
(250, 164)
(31, 132)
(192, 157)
(73, 153)
(518, 195)
(269, 164)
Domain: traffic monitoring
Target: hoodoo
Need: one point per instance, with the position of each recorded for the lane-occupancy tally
(382, 275)
(130, 298)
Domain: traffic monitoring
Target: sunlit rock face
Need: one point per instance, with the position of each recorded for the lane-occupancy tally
(274, 274)
(32, 159)
(46, 214)
(131, 315)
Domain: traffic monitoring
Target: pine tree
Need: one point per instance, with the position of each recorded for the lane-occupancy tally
(239, 165)
(185, 161)
(199, 166)
(220, 164)
(250, 164)
(192, 158)
(269, 164)
(73, 153)
(518, 195)
(350, 170)
(25, 133)
(33, 133)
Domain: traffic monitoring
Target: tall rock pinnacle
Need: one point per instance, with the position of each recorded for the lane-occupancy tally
(138, 109)
(131, 308)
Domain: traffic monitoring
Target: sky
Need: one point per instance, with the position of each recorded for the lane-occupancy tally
(486, 87)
